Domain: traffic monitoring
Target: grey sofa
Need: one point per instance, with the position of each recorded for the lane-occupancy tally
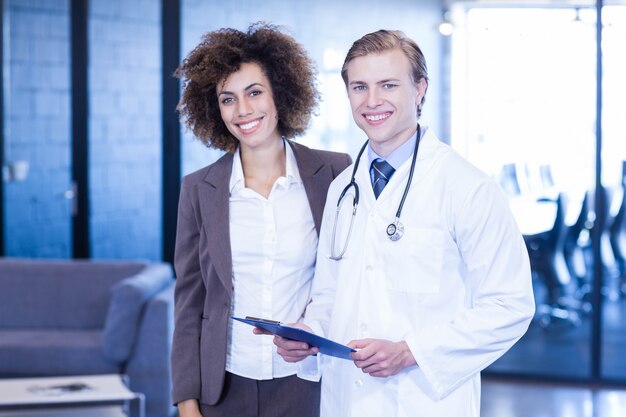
(71, 317)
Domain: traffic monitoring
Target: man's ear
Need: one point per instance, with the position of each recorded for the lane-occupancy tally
(421, 86)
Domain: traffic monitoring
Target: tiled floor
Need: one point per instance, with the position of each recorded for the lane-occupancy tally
(499, 399)
(565, 351)
(516, 399)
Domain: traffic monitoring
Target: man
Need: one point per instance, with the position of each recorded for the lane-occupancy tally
(431, 283)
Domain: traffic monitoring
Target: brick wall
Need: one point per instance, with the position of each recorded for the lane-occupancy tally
(125, 106)
(125, 128)
(37, 127)
(124, 121)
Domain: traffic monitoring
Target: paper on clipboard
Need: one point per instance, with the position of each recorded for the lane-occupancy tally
(326, 346)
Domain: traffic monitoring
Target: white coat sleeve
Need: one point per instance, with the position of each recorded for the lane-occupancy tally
(499, 286)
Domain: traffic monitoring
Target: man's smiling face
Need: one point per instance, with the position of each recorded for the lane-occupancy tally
(384, 98)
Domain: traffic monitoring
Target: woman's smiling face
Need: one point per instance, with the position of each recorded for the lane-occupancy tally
(247, 106)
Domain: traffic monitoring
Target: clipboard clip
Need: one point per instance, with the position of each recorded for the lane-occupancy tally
(262, 320)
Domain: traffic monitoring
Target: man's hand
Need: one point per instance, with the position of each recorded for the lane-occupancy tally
(381, 358)
(291, 350)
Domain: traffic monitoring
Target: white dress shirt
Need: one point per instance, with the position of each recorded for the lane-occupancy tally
(456, 287)
(273, 244)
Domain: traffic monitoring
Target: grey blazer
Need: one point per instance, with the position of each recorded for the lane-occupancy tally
(203, 264)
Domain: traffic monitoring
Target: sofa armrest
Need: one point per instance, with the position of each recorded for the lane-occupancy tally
(129, 298)
(149, 365)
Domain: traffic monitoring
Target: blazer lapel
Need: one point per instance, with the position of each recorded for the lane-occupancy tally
(316, 177)
(214, 203)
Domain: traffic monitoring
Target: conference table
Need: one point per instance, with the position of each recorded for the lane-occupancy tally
(533, 215)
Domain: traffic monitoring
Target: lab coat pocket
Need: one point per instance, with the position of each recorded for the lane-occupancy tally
(414, 263)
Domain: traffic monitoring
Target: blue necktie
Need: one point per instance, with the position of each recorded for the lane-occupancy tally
(381, 171)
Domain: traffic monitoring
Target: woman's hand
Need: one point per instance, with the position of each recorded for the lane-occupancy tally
(291, 350)
(189, 408)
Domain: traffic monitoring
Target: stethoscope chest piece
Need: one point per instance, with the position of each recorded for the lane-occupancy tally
(395, 230)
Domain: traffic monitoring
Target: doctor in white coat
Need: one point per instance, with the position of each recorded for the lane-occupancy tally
(431, 282)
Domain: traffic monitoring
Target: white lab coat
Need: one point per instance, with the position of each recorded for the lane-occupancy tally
(456, 287)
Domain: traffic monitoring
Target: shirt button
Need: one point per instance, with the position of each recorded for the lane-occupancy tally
(369, 268)
(358, 383)
(363, 327)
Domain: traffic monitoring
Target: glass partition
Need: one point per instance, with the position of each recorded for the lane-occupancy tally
(523, 96)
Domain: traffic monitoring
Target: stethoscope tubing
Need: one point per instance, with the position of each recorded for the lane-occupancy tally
(355, 199)
(408, 181)
(355, 203)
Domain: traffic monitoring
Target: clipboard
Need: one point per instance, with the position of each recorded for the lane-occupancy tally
(326, 346)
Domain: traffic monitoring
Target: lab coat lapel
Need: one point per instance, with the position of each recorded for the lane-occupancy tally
(214, 196)
(316, 175)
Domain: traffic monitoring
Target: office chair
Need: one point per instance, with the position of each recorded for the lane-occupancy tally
(577, 240)
(617, 237)
(509, 181)
(546, 176)
(603, 219)
(547, 260)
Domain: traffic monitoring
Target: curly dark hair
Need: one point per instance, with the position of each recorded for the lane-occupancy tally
(220, 53)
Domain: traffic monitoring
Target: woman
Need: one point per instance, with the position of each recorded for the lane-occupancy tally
(247, 225)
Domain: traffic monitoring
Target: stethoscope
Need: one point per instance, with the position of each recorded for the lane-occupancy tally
(395, 230)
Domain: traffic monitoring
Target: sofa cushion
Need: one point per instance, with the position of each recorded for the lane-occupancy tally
(128, 298)
(57, 294)
(52, 352)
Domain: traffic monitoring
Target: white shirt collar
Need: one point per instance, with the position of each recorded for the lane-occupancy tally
(401, 154)
(293, 173)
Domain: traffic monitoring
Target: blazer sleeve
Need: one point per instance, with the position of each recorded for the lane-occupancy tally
(189, 296)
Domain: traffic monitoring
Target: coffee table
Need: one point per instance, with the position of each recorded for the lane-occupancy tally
(83, 391)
